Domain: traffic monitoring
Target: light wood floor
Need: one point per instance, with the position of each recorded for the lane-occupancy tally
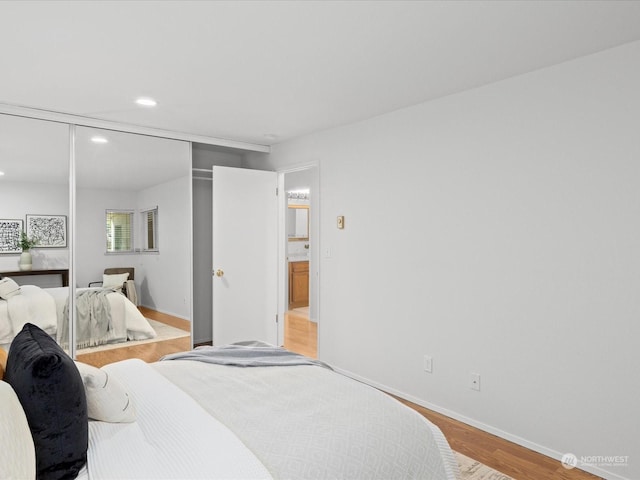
(506, 457)
(300, 335)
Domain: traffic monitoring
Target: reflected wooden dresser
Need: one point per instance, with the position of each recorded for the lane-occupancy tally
(62, 273)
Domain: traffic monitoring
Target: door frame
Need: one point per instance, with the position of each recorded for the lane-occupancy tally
(314, 243)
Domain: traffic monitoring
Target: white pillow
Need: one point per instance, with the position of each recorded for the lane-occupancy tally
(6, 327)
(8, 288)
(114, 281)
(107, 399)
(17, 453)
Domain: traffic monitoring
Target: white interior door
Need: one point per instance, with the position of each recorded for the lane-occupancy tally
(245, 255)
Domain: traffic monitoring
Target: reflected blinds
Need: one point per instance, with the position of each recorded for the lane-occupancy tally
(119, 231)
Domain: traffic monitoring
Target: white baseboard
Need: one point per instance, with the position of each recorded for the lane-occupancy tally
(481, 426)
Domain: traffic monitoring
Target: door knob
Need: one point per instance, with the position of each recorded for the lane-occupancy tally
(219, 273)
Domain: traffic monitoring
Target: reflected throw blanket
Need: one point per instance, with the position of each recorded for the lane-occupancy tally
(94, 319)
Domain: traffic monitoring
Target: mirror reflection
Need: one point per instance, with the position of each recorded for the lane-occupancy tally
(133, 201)
(132, 243)
(298, 222)
(34, 211)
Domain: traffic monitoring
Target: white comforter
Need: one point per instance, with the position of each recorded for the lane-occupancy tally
(172, 438)
(308, 422)
(202, 421)
(44, 307)
(32, 305)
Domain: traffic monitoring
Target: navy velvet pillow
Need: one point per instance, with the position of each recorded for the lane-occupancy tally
(51, 392)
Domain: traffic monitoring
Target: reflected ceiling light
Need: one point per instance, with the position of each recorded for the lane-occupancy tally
(98, 139)
(146, 102)
(1, 174)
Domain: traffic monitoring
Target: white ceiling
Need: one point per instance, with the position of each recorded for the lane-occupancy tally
(248, 70)
(127, 161)
(37, 151)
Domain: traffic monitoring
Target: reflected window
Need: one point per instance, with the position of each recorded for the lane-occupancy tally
(150, 230)
(119, 231)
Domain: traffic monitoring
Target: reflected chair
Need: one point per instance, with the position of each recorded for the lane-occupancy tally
(128, 287)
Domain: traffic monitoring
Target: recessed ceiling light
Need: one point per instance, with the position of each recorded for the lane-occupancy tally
(146, 102)
(97, 139)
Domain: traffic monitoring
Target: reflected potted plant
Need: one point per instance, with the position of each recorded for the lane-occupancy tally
(26, 244)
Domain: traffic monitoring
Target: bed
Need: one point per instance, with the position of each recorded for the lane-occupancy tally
(297, 420)
(45, 307)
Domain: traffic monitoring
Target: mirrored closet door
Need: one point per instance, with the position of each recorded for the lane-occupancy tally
(133, 239)
(34, 215)
(132, 243)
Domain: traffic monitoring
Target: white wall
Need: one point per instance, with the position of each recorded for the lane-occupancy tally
(497, 230)
(91, 259)
(166, 285)
(17, 199)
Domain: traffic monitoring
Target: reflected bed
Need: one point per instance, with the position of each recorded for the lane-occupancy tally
(45, 307)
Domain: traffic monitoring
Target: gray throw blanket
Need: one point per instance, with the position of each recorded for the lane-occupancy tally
(94, 319)
(246, 354)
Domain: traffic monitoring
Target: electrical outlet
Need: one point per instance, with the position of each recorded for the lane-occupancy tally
(428, 364)
(474, 381)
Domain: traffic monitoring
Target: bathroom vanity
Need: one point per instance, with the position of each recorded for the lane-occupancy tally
(298, 284)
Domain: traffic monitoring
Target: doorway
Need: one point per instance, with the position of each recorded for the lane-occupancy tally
(299, 260)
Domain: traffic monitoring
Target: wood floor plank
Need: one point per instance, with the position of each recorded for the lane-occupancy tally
(176, 322)
(300, 334)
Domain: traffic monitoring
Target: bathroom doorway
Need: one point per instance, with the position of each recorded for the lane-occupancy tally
(299, 269)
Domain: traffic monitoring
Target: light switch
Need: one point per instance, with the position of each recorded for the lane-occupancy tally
(341, 222)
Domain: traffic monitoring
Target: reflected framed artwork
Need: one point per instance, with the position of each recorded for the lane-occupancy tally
(10, 231)
(49, 231)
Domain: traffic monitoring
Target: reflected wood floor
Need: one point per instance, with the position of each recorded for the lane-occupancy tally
(149, 352)
(507, 457)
